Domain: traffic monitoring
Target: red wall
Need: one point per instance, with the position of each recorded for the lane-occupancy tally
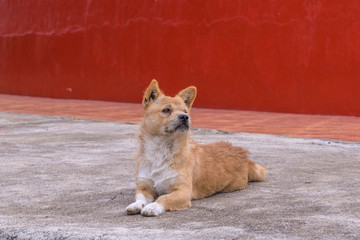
(280, 55)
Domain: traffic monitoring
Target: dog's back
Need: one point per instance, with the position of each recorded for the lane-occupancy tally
(223, 167)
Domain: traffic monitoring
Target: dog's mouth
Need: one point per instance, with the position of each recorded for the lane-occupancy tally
(182, 127)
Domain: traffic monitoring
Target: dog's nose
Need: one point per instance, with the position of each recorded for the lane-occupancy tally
(183, 117)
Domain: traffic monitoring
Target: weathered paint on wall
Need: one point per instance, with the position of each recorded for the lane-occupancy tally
(282, 55)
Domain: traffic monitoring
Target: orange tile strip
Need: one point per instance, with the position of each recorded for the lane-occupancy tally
(295, 125)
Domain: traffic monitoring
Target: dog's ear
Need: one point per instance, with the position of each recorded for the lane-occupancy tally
(188, 95)
(152, 93)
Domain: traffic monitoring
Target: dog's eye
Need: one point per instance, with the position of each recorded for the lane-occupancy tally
(185, 111)
(166, 110)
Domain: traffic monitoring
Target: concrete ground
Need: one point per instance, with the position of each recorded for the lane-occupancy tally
(63, 178)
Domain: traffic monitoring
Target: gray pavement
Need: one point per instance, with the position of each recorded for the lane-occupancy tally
(63, 178)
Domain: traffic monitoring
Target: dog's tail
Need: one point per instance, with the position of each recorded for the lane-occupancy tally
(257, 173)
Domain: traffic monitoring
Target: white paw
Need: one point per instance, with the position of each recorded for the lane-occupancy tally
(152, 209)
(135, 208)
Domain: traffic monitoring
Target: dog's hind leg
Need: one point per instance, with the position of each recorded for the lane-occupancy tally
(238, 183)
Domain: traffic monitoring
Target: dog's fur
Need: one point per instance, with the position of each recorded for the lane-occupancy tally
(173, 169)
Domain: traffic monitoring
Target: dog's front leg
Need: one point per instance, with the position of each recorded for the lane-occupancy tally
(145, 194)
(176, 200)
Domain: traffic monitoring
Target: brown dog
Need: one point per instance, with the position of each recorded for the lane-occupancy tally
(173, 169)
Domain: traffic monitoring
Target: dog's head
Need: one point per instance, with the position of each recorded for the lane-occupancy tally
(166, 115)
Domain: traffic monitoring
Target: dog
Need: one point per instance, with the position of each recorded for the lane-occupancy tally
(171, 168)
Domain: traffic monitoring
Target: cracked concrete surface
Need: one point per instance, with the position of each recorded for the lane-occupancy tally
(63, 178)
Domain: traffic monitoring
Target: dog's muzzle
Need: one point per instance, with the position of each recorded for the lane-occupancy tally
(182, 124)
(183, 120)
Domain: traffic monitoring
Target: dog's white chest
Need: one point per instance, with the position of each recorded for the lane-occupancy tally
(156, 165)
